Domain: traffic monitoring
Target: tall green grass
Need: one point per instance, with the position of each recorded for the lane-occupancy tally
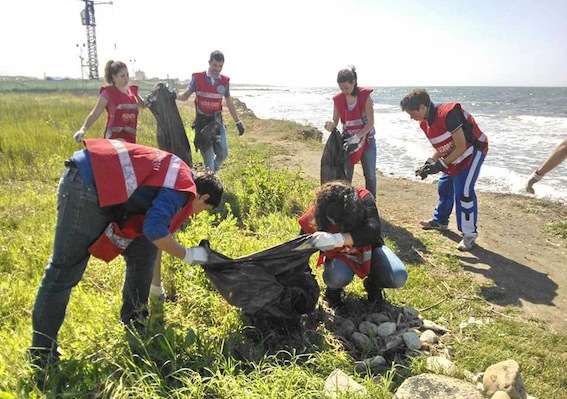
(199, 346)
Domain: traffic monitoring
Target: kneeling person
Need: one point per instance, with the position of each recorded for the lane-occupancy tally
(346, 225)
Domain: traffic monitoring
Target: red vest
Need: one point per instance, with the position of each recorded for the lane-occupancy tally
(123, 123)
(119, 168)
(208, 97)
(442, 140)
(353, 121)
(358, 258)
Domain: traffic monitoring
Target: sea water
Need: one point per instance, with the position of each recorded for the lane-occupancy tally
(523, 125)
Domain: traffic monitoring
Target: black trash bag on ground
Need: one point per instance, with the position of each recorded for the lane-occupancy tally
(334, 161)
(171, 135)
(207, 130)
(276, 283)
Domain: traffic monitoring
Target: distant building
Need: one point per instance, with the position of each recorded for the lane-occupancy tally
(139, 75)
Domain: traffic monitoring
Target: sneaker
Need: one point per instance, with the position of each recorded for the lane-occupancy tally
(157, 291)
(333, 297)
(433, 225)
(466, 244)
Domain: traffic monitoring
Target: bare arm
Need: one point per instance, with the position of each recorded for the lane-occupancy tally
(140, 101)
(558, 155)
(369, 110)
(185, 95)
(95, 113)
(231, 108)
(171, 246)
(460, 146)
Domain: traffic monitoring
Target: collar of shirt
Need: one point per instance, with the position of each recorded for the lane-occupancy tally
(431, 114)
(212, 80)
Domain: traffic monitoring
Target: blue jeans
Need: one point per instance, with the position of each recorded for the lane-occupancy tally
(386, 271)
(459, 190)
(368, 163)
(217, 153)
(80, 221)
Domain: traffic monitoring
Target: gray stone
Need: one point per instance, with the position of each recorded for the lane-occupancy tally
(504, 376)
(433, 386)
(338, 383)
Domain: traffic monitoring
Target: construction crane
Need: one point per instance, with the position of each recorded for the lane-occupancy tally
(88, 19)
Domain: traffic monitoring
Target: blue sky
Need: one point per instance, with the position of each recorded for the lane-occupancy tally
(300, 42)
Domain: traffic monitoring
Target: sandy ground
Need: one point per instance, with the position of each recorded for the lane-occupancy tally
(517, 263)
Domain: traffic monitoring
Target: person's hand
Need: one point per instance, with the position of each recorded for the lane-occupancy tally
(174, 93)
(78, 137)
(430, 169)
(329, 126)
(534, 178)
(240, 128)
(196, 256)
(421, 171)
(350, 144)
(324, 241)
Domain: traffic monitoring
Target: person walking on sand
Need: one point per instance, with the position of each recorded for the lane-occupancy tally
(346, 227)
(210, 87)
(459, 151)
(354, 107)
(115, 198)
(121, 102)
(557, 156)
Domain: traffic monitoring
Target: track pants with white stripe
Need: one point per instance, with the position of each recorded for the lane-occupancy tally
(459, 190)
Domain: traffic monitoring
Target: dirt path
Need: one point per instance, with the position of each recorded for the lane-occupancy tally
(515, 260)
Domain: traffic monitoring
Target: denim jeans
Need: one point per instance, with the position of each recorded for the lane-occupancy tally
(80, 221)
(386, 271)
(217, 153)
(368, 163)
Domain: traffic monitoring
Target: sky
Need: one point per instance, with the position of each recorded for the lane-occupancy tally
(298, 42)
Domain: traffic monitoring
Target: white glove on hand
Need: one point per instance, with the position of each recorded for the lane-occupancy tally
(324, 241)
(534, 178)
(354, 139)
(196, 256)
(78, 137)
(329, 126)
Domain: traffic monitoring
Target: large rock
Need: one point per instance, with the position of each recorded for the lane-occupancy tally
(433, 386)
(338, 384)
(504, 376)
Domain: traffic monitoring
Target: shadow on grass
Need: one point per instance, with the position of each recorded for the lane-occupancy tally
(409, 246)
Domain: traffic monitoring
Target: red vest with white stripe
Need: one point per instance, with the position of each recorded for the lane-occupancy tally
(359, 259)
(119, 168)
(123, 123)
(353, 121)
(442, 140)
(208, 97)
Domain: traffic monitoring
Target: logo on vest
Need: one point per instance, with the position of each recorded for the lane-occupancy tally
(221, 89)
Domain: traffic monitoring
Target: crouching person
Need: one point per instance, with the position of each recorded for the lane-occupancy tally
(116, 198)
(346, 227)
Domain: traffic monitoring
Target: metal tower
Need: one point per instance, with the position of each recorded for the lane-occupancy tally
(88, 19)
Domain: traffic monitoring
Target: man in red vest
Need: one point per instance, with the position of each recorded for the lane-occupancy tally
(210, 87)
(117, 198)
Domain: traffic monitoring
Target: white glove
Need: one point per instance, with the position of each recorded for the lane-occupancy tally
(196, 256)
(329, 126)
(78, 137)
(534, 178)
(324, 241)
(354, 139)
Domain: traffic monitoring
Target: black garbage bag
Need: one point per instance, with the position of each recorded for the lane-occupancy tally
(171, 135)
(334, 161)
(207, 131)
(275, 283)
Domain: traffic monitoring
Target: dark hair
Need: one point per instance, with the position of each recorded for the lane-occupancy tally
(414, 99)
(216, 56)
(349, 75)
(208, 183)
(339, 201)
(112, 68)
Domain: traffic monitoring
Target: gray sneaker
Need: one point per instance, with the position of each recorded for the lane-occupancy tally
(433, 225)
(466, 244)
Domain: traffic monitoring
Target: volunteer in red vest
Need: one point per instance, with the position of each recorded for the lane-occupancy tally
(346, 227)
(459, 151)
(121, 102)
(210, 87)
(354, 107)
(117, 198)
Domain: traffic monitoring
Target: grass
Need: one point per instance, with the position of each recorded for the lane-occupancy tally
(200, 346)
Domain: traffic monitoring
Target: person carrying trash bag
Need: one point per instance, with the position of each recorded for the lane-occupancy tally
(116, 198)
(345, 226)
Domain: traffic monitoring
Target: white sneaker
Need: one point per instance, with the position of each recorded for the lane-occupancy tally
(158, 292)
(466, 244)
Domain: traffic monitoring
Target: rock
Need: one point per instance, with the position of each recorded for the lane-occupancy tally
(386, 329)
(372, 363)
(338, 384)
(438, 364)
(346, 328)
(500, 395)
(504, 376)
(439, 329)
(368, 328)
(361, 341)
(433, 386)
(429, 337)
(410, 311)
(411, 339)
(378, 318)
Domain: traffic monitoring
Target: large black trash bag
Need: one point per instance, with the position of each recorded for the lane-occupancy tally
(334, 161)
(207, 131)
(276, 283)
(171, 135)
